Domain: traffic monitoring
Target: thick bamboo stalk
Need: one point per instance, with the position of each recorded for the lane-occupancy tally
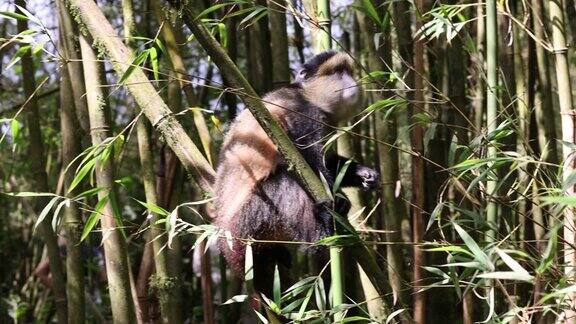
(169, 37)
(152, 105)
(545, 106)
(71, 54)
(117, 270)
(560, 49)
(323, 43)
(162, 282)
(39, 177)
(279, 42)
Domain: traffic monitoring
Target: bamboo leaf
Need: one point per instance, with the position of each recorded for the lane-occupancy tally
(394, 314)
(370, 10)
(261, 317)
(277, 291)
(153, 208)
(13, 15)
(154, 62)
(479, 255)
(45, 211)
(94, 217)
(236, 299)
(80, 175)
(550, 251)
(212, 9)
(506, 275)
(135, 63)
(18, 56)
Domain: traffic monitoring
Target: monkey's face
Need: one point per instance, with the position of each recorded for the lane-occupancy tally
(328, 82)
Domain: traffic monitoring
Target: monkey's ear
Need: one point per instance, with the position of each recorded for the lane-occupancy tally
(301, 75)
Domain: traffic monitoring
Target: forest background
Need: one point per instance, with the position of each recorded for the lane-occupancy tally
(112, 114)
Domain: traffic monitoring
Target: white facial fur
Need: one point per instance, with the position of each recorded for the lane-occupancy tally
(337, 94)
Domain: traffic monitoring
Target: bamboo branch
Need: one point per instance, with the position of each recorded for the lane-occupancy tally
(107, 41)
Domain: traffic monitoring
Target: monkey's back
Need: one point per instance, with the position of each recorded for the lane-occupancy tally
(256, 196)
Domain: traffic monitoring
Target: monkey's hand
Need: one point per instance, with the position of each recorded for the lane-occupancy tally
(369, 178)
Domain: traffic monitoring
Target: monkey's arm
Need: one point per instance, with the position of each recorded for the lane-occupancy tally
(357, 175)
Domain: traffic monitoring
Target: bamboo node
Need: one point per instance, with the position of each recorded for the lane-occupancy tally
(99, 128)
(562, 50)
(161, 119)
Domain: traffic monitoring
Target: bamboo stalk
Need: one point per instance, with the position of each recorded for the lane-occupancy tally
(560, 49)
(491, 109)
(418, 175)
(39, 181)
(169, 37)
(123, 310)
(146, 97)
(279, 43)
(323, 43)
(71, 54)
(163, 281)
(72, 215)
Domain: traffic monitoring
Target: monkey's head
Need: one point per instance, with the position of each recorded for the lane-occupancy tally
(328, 82)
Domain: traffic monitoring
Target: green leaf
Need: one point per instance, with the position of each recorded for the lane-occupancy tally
(277, 291)
(355, 319)
(506, 275)
(561, 200)
(15, 128)
(94, 217)
(38, 47)
(88, 193)
(30, 16)
(513, 264)
(394, 314)
(236, 299)
(81, 174)
(386, 103)
(154, 62)
(248, 264)
(558, 293)
(479, 255)
(370, 10)
(261, 317)
(135, 63)
(18, 56)
(340, 176)
(305, 302)
(45, 211)
(254, 16)
(160, 45)
(26, 194)
(223, 34)
(13, 15)
(320, 295)
(451, 248)
(550, 251)
(153, 208)
(212, 9)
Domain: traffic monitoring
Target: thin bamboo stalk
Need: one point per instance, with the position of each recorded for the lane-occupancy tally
(418, 176)
(162, 282)
(72, 215)
(39, 177)
(123, 310)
